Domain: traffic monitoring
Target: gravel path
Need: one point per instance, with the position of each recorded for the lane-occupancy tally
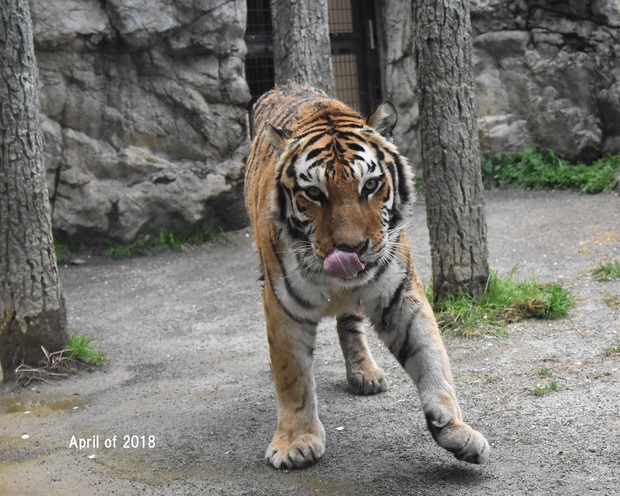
(186, 405)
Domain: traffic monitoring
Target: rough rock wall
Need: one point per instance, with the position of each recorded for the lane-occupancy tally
(144, 114)
(551, 69)
(547, 72)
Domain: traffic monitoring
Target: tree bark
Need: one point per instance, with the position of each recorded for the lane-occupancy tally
(301, 46)
(450, 148)
(32, 308)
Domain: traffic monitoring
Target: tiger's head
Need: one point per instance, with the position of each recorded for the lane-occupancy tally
(342, 190)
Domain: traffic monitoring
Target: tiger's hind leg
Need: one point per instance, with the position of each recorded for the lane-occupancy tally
(299, 439)
(363, 375)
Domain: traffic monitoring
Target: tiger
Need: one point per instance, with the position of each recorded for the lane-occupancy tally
(328, 198)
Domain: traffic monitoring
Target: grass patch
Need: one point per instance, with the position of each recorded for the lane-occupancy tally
(166, 241)
(613, 301)
(171, 241)
(607, 271)
(205, 234)
(544, 169)
(80, 347)
(550, 386)
(144, 245)
(613, 349)
(505, 301)
(419, 186)
(544, 372)
(62, 252)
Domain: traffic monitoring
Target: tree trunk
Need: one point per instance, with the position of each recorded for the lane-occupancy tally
(301, 46)
(450, 148)
(32, 308)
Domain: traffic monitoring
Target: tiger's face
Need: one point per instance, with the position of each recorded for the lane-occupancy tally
(341, 191)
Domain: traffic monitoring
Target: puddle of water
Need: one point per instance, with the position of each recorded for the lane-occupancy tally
(131, 465)
(36, 405)
(9, 471)
(12, 441)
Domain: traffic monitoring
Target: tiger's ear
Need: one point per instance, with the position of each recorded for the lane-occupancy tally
(383, 119)
(278, 136)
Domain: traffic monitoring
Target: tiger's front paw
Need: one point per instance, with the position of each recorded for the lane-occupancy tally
(367, 381)
(466, 443)
(286, 451)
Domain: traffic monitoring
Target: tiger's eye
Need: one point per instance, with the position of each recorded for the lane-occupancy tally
(314, 193)
(371, 185)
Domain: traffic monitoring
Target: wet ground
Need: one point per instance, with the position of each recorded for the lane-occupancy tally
(186, 406)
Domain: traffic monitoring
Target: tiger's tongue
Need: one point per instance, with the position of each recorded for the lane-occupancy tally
(342, 264)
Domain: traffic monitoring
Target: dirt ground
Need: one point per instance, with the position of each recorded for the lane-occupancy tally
(186, 405)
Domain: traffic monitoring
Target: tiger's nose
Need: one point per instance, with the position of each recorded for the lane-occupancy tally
(359, 248)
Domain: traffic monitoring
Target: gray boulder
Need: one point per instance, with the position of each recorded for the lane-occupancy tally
(547, 72)
(144, 115)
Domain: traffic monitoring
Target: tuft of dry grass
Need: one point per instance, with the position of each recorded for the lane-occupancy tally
(57, 365)
(60, 364)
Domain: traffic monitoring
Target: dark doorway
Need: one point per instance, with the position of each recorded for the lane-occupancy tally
(355, 54)
(259, 66)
